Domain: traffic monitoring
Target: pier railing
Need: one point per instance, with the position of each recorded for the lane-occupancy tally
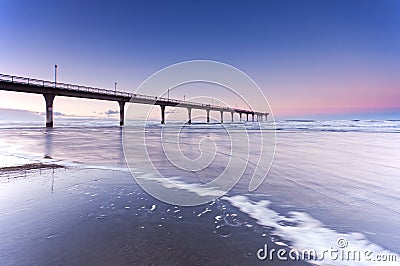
(74, 87)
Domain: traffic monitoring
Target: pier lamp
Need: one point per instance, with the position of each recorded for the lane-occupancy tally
(55, 75)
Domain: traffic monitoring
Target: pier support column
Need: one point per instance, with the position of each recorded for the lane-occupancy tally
(208, 115)
(240, 116)
(232, 116)
(252, 117)
(266, 117)
(222, 117)
(190, 115)
(247, 115)
(121, 113)
(162, 114)
(49, 98)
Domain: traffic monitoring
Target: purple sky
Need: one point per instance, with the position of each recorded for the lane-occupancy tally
(312, 59)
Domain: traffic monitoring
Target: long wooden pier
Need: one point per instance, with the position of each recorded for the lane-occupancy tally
(51, 89)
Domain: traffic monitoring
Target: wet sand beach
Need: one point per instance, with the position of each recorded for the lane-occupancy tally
(91, 216)
(67, 197)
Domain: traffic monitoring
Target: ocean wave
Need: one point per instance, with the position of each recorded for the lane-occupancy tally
(368, 126)
(303, 232)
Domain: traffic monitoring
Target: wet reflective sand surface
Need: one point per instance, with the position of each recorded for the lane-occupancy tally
(324, 185)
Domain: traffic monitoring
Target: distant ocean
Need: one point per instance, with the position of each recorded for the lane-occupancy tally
(330, 181)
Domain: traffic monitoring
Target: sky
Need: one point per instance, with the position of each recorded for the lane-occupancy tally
(312, 59)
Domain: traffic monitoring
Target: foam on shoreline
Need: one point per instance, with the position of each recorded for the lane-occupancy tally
(304, 232)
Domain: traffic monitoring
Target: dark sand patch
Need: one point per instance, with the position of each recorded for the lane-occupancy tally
(30, 166)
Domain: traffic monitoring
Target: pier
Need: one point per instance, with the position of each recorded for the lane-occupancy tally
(51, 89)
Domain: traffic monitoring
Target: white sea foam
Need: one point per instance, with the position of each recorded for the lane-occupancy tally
(177, 183)
(11, 155)
(9, 160)
(304, 232)
(204, 212)
(99, 167)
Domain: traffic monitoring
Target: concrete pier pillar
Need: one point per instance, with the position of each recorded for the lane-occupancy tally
(162, 114)
(222, 117)
(232, 116)
(49, 98)
(121, 113)
(208, 115)
(189, 115)
(252, 117)
(247, 117)
(266, 117)
(240, 116)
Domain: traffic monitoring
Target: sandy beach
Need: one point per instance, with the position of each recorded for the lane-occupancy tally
(91, 216)
(65, 206)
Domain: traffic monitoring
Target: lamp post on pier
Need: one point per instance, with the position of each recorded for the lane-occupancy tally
(55, 75)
